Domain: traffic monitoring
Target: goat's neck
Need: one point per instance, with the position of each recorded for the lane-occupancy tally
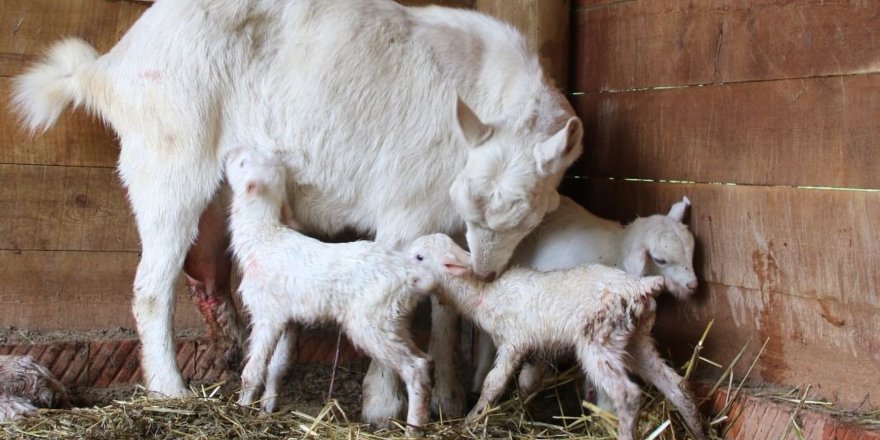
(466, 294)
(254, 222)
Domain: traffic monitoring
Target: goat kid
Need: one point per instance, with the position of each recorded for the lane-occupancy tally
(601, 313)
(654, 245)
(290, 279)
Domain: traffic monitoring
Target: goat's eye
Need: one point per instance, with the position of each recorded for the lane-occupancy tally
(659, 261)
(419, 257)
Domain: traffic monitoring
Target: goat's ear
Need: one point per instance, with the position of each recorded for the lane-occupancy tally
(635, 261)
(253, 187)
(678, 209)
(470, 127)
(453, 266)
(556, 154)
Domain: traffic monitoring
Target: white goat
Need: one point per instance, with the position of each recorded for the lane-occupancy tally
(571, 236)
(25, 385)
(361, 96)
(601, 313)
(289, 278)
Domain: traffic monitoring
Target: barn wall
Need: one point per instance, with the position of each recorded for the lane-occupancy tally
(765, 114)
(68, 244)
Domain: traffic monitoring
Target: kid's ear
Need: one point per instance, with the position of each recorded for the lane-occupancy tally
(678, 209)
(635, 261)
(253, 187)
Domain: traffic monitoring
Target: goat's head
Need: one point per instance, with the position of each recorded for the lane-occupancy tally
(509, 181)
(439, 254)
(254, 173)
(663, 245)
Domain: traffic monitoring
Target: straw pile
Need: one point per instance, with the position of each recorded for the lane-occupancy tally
(209, 415)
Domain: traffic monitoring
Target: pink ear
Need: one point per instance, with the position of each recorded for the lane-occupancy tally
(454, 267)
(252, 187)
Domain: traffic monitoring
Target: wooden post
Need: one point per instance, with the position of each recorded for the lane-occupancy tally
(546, 25)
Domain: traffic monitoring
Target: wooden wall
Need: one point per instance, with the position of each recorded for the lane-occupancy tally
(68, 245)
(766, 114)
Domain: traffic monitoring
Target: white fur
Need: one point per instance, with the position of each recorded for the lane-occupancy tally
(289, 278)
(359, 96)
(571, 235)
(600, 313)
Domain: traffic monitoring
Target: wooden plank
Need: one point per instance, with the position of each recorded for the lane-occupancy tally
(817, 244)
(545, 24)
(817, 132)
(750, 406)
(29, 26)
(641, 44)
(75, 291)
(580, 5)
(76, 140)
(64, 208)
(805, 345)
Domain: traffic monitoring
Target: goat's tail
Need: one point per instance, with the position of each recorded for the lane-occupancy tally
(59, 79)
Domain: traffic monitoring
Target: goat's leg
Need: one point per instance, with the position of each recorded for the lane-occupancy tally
(647, 363)
(207, 267)
(284, 350)
(605, 366)
(530, 377)
(167, 195)
(415, 370)
(382, 395)
(485, 356)
(447, 397)
(264, 340)
(382, 390)
(506, 361)
(413, 367)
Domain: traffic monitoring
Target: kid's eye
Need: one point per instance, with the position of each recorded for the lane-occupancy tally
(659, 261)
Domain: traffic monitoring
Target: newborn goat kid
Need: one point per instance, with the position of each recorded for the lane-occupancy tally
(25, 385)
(601, 313)
(289, 278)
(571, 235)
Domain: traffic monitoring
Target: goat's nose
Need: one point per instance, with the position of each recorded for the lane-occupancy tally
(692, 285)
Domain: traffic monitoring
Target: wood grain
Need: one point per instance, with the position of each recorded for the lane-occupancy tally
(76, 140)
(64, 208)
(817, 132)
(546, 26)
(29, 26)
(832, 346)
(641, 44)
(76, 291)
